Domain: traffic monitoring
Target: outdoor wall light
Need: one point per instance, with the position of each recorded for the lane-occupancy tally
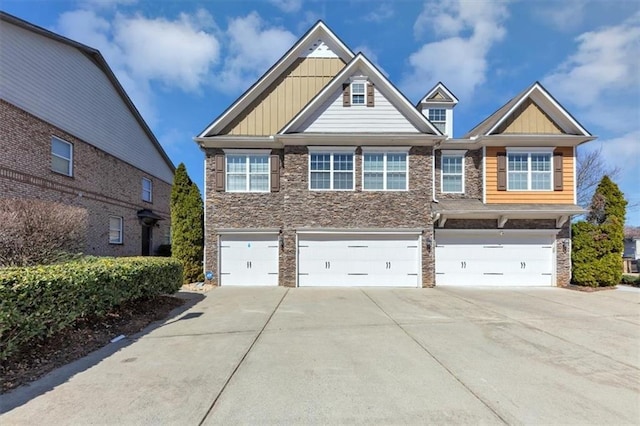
(429, 243)
(565, 246)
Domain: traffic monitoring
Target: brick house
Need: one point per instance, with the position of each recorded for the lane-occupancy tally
(71, 134)
(323, 174)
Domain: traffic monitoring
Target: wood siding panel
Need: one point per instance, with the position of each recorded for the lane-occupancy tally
(333, 116)
(529, 119)
(494, 196)
(285, 97)
(60, 85)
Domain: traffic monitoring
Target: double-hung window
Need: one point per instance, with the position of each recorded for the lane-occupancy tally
(147, 190)
(331, 170)
(529, 171)
(61, 156)
(115, 230)
(438, 116)
(247, 172)
(452, 168)
(358, 93)
(384, 171)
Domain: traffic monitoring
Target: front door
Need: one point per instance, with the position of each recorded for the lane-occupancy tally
(147, 233)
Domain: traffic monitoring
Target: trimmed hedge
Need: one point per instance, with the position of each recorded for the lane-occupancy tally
(38, 301)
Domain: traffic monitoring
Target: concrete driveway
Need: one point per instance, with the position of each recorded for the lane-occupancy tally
(360, 356)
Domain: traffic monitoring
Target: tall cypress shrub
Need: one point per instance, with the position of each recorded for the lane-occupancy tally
(187, 225)
(598, 243)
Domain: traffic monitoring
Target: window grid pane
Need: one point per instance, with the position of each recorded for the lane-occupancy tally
(320, 180)
(397, 181)
(452, 183)
(115, 230)
(320, 162)
(517, 181)
(373, 162)
(373, 180)
(357, 93)
(60, 165)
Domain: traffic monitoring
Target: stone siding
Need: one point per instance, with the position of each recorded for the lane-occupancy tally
(472, 176)
(295, 206)
(102, 184)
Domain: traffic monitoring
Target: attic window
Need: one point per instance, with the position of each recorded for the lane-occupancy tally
(438, 116)
(358, 93)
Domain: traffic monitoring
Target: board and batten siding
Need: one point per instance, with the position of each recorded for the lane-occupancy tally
(529, 119)
(62, 86)
(332, 116)
(281, 101)
(542, 197)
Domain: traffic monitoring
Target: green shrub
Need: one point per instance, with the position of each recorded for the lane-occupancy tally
(629, 279)
(594, 257)
(187, 225)
(38, 301)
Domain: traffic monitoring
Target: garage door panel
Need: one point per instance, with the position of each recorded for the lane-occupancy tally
(358, 260)
(497, 260)
(249, 260)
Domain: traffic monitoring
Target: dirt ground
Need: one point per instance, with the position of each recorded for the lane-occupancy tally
(85, 336)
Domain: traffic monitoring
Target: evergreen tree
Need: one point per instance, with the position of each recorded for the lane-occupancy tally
(187, 225)
(599, 242)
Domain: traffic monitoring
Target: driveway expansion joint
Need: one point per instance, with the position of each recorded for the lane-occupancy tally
(425, 349)
(237, 367)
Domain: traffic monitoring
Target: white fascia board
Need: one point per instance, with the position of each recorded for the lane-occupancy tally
(233, 151)
(398, 100)
(542, 92)
(349, 149)
(224, 231)
(534, 140)
(453, 151)
(361, 231)
(319, 30)
(238, 142)
(349, 139)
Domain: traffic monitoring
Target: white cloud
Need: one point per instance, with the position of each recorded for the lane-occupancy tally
(469, 29)
(564, 15)
(288, 6)
(178, 54)
(380, 14)
(253, 48)
(606, 62)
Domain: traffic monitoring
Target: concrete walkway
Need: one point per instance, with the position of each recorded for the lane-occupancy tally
(360, 356)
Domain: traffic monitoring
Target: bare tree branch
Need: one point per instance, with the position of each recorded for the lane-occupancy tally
(590, 168)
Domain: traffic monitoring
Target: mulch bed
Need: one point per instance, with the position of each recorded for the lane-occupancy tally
(84, 337)
(588, 289)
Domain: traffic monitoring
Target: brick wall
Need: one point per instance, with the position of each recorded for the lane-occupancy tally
(101, 183)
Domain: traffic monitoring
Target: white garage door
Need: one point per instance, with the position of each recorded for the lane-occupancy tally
(249, 259)
(358, 260)
(491, 259)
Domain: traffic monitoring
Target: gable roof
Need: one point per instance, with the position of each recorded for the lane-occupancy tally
(541, 97)
(96, 57)
(380, 81)
(320, 31)
(439, 88)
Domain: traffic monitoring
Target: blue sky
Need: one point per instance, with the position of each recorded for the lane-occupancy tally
(184, 62)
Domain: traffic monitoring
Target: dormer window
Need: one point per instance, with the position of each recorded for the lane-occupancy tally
(358, 93)
(438, 116)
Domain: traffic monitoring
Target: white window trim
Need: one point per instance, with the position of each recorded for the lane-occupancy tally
(451, 153)
(248, 153)
(121, 230)
(331, 151)
(150, 200)
(384, 151)
(70, 159)
(529, 151)
(358, 80)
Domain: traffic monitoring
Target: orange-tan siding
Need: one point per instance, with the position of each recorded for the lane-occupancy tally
(281, 101)
(493, 196)
(529, 119)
